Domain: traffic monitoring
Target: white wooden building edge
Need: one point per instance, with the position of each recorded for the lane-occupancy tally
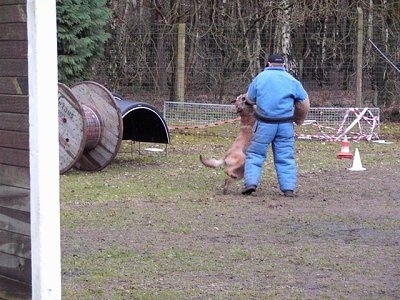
(43, 144)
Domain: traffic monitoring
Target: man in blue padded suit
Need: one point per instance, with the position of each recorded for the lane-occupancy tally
(280, 100)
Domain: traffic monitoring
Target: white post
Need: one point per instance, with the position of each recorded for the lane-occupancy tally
(43, 144)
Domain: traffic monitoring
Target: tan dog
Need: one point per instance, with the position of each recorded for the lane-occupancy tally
(234, 158)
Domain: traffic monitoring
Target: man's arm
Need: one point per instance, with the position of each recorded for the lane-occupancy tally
(301, 111)
(251, 93)
(248, 101)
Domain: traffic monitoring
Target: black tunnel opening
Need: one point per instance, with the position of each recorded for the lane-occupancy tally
(142, 122)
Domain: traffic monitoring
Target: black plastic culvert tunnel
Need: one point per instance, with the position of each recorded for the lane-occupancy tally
(142, 122)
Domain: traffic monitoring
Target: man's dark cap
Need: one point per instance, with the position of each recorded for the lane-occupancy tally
(276, 58)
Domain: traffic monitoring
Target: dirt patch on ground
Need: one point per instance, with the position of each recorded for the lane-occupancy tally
(179, 237)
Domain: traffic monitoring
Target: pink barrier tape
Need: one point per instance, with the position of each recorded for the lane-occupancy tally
(365, 116)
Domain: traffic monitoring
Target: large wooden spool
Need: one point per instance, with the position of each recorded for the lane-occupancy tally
(90, 126)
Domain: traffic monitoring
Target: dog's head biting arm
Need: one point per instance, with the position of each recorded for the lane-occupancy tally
(248, 101)
(301, 111)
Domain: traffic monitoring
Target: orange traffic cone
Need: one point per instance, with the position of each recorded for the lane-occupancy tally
(345, 150)
(357, 165)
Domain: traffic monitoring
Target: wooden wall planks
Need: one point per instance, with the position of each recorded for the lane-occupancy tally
(13, 31)
(13, 67)
(14, 100)
(15, 241)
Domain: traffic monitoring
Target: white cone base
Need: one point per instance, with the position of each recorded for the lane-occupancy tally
(357, 169)
(357, 166)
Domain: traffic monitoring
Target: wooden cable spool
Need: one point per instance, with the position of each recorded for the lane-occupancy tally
(90, 127)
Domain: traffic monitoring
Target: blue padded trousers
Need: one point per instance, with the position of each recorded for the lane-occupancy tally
(281, 138)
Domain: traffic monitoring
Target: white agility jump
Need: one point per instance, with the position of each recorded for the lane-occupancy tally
(332, 124)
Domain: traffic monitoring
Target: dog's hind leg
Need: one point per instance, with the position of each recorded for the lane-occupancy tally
(235, 172)
(228, 182)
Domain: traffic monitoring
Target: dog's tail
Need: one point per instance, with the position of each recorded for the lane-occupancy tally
(212, 162)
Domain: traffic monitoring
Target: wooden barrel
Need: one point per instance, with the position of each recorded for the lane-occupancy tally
(100, 100)
(71, 128)
(93, 128)
(90, 126)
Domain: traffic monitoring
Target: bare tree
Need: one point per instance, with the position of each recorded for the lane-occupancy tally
(228, 41)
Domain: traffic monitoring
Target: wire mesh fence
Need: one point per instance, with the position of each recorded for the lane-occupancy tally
(345, 55)
(323, 123)
(184, 114)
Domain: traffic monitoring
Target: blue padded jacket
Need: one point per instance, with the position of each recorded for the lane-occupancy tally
(274, 91)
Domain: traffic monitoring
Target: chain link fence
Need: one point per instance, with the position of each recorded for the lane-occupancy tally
(323, 123)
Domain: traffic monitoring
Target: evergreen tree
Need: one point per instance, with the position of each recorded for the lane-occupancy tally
(81, 36)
